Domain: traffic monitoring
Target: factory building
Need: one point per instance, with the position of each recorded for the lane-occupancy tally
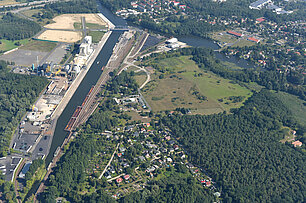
(85, 47)
(259, 4)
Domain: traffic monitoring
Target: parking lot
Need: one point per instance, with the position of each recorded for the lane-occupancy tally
(23, 57)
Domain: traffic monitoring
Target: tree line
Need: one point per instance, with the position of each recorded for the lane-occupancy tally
(15, 28)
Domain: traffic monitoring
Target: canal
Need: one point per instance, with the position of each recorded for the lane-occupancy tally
(89, 80)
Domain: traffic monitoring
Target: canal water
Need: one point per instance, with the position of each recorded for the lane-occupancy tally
(201, 42)
(89, 80)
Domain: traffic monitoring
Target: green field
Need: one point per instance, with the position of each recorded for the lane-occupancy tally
(140, 77)
(226, 38)
(94, 26)
(36, 45)
(295, 105)
(7, 45)
(243, 43)
(187, 85)
(77, 25)
(96, 36)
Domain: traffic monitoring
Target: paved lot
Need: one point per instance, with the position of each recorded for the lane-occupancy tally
(41, 148)
(24, 57)
(25, 141)
(57, 54)
(8, 165)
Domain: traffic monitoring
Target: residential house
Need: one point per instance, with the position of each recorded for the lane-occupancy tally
(297, 143)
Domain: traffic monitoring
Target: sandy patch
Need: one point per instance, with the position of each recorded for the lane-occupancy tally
(61, 36)
(66, 21)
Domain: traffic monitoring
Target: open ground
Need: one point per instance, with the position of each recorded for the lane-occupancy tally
(186, 84)
(67, 21)
(66, 28)
(7, 2)
(61, 36)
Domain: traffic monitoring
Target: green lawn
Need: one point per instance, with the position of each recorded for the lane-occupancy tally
(96, 36)
(7, 45)
(140, 77)
(224, 38)
(243, 43)
(94, 26)
(36, 45)
(186, 83)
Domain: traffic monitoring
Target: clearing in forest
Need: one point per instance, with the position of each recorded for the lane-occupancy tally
(187, 86)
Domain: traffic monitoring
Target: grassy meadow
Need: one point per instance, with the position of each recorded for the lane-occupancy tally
(185, 86)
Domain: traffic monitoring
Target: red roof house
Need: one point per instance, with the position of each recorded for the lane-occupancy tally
(259, 20)
(234, 33)
(253, 39)
(126, 177)
(119, 180)
(297, 143)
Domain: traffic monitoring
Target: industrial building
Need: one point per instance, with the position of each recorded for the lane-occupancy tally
(86, 47)
(259, 4)
(25, 169)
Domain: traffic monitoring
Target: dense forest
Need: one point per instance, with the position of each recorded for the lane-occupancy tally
(15, 28)
(7, 190)
(243, 153)
(17, 93)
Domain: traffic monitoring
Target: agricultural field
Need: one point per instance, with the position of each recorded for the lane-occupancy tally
(187, 86)
(36, 45)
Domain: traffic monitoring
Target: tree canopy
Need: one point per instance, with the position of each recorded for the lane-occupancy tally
(242, 151)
